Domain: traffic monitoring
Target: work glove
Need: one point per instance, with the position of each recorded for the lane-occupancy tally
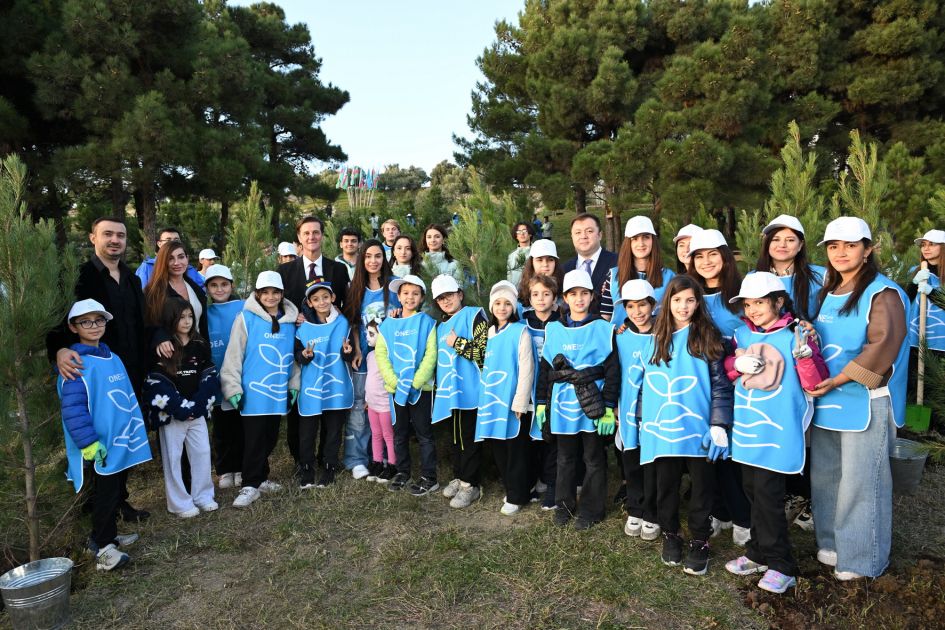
(921, 276)
(293, 396)
(925, 288)
(95, 451)
(605, 424)
(235, 400)
(715, 441)
(540, 415)
(749, 364)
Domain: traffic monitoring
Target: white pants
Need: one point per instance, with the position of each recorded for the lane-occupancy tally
(174, 437)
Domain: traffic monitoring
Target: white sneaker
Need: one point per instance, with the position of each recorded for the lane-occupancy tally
(827, 556)
(451, 489)
(192, 512)
(466, 495)
(359, 472)
(124, 540)
(650, 531)
(718, 526)
(209, 506)
(246, 497)
(268, 487)
(633, 526)
(508, 508)
(226, 480)
(741, 535)
(110, 558)
(846, 576)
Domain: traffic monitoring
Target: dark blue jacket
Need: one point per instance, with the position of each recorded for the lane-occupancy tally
(163, 402)
(75, 400)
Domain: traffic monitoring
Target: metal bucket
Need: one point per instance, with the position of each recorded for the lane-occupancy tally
(36, 595)
(907, 463)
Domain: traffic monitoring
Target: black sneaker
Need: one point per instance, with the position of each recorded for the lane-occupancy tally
(583, 524)
(398, 482)
(129, 513)
(548, 503)
(672, 550)
(306, 477)
(387, 474)
(697, 560)
(562, 516)
(374, 469)
(424, 486)
(327, 478)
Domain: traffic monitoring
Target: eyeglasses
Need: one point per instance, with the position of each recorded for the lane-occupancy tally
(523, 231)
(89, 324)
(446, 296)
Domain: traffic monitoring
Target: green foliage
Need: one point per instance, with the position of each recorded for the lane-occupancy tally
(247, 241)
(198, 221)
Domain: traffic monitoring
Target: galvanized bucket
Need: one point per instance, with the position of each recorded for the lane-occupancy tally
(906, 462)
(36, 595)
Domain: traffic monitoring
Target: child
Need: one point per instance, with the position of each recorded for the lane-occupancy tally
(327, 393)
(222, 309)
(379, 415)
(406, 359)
(687, 405)
(639, 302)
(771, 417)
(578, 381)
(181, 391)
(406, 259)
(461, 347)
(639, 258)
(508, 373)
(103, 430)
(543, 296)
(542, 259)
(260, 378)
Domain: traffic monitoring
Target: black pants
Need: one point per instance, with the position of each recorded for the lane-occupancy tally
(769, 542)
(260, 434)
(108, 493)
(467, 452)
(514, 461)
(416, 417)
(329, 427)
(799, 485)
(730, 502)
(594, 486)
(641, 486)
(227, 441)
(669, 471)
(548, 457)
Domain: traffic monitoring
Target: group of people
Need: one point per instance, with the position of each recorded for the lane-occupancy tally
(790, 380)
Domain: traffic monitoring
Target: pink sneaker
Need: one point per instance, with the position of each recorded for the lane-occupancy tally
(775, 582)
(743, 566)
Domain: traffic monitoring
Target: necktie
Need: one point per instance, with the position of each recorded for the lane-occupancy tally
(587, 266)
(311, 272)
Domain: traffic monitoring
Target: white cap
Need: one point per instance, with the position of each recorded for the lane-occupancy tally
(932, 236)
(218, 271)
(784, 221)
(848, 229)
(543, 247)
(503, 289)
(84, 307)
(706, 239)
(758, 285)
(577, 278)
(639, 225)
(686, 231)
(636, 290)
(444, 283)
(287, 249)
(408, 279)
(269, 280)
(207, 254)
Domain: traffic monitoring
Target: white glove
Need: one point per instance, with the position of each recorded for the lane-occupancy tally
(922, 276)
(925, 287)
(719, 436)
(749, 364)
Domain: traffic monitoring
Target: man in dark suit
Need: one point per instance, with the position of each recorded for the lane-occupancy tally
(296, 274)
(591, 257)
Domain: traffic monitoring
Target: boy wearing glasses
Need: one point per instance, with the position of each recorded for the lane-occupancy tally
(104, 430)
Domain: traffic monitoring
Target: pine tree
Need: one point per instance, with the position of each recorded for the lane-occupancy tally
(247, 241)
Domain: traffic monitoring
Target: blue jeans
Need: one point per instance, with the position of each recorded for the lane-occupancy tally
(357, 431)
(851, 491)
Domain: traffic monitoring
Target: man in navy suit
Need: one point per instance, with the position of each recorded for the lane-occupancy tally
(591, 257)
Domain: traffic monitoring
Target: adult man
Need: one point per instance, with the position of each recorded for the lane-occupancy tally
(106, 279)
(146, 269)
(591, 257)
(390, 230)
(206, 258)
(349, 240)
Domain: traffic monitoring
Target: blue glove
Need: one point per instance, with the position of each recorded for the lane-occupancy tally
(925, 288)
(606, 423)
(715, 441)
(923, 275)
(293, 395)
(235, 400)
(540, 415)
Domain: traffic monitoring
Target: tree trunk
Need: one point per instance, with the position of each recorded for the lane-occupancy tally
(273, 218)
(730, 223)
(146, 209)
(580, 200)
(224, 221)
(29, 468)
(119, 197)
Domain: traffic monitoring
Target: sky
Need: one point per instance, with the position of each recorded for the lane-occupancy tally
(409, 66)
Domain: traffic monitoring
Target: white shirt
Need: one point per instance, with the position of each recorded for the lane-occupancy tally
(593, 258)
(307, 262)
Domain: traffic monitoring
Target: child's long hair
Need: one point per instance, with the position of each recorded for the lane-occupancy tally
(443, 233)
(415, 257)
(355, 295)
(864, 277)
(155, 294)
(171, 314)
(513, 317)
(705, 340)
(626, 270)
(730, 280)
(803, 274)
(528, 272)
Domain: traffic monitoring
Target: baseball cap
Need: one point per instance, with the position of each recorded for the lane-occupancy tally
(408, 279)
(84, 307)
(706, 239)
(269, 280)
(208, 254)
(287, 249)
(686, 231)
(784, 221)
(758, 285)
(443, 283)
(543, 247)
(639, 225)
(218, 271)
(636, 290)
(316, 285)
(848, 229)
(577, 278)
(932, 236)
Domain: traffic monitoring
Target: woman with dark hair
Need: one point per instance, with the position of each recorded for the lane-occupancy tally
(639, 259)
(523, 233)
(406, 259)
(784, 253)
(436, 254)
(862, 325)
(712, 264)
(170, 281)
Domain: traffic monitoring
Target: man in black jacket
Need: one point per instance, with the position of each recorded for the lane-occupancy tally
(591, 257)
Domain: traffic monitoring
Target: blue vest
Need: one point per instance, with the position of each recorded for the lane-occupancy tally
(816, 283)
(406, 339)
(934, 322)
(769, 425)
(220, 318)
(372, 307)
(676, 403)
(630, 348)
(457, 379)
(847, 408)
(585, 346)
(267, 362)
(899, 381)
(116, 417)
(500, 375)
(326, 384)
(620, 313)
(538, 341)
(725, 320)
